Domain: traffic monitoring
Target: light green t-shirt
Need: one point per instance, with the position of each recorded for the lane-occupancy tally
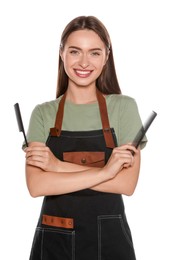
(122, 111)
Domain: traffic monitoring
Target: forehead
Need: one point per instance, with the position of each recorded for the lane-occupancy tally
(84, 39)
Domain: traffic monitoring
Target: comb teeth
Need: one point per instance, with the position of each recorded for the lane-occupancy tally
(144, 129)
(19, 121)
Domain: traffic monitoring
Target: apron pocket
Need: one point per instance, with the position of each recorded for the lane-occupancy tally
(53, 244)
(114, 238)
(93, 159)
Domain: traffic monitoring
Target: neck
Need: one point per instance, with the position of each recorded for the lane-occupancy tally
(81, 95)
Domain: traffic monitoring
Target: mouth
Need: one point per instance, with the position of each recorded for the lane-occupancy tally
(83, 73)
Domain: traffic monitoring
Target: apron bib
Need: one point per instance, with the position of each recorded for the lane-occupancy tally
(83, 225)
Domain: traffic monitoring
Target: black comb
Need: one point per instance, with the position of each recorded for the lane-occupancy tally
(20, 122)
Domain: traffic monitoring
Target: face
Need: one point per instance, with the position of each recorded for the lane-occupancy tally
(84, 56)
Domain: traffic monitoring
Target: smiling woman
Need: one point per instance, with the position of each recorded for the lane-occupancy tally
(80, 156)
(84, 56)
(96, 34)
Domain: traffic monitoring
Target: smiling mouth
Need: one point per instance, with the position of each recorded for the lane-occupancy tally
(83, 73)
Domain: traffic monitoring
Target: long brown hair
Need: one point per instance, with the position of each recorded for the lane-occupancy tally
(107, 82)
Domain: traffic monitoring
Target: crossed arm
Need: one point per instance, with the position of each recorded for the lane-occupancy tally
(47, 175)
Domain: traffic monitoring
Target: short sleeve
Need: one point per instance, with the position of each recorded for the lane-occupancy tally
(129, 121)
(36, 129)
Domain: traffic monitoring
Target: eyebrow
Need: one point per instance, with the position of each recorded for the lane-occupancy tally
(93, 49)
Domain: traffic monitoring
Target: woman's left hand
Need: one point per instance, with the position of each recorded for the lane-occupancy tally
(39, 155)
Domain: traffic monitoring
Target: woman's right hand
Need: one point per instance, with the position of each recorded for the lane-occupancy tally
(39, 155)
(121, 157)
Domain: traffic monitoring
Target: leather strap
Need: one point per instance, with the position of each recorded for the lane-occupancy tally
(105, 120)
(56, 131)
(58, 221)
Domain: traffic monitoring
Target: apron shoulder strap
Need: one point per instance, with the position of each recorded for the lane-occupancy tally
(56, 131)
(105, 120)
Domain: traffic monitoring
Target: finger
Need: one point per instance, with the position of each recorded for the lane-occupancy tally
(122, 152)
(129, 161)
(38, 152)
(36, 148)
(131, 149)
(35, 163)
(35, 158)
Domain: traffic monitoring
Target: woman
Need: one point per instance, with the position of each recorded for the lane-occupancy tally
(80, 156)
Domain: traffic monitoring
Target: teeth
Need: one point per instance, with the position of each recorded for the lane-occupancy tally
(83, 72)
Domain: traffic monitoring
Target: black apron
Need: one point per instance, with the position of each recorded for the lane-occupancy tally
(83, 225)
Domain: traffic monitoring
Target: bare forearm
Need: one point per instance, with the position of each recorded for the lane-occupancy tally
(72, 167)
(46, 175)
(50, 183)
(123, 183)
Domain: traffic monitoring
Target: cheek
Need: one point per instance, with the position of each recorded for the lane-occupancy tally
(100, 62)
(68, 66)
(100, 65)
(69, 60)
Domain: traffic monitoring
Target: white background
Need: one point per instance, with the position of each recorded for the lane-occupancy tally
(29, 40)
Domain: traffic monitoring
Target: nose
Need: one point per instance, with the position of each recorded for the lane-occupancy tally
(84, 62)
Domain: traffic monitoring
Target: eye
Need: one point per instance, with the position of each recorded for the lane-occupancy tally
(74, 52)
(95, 53)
